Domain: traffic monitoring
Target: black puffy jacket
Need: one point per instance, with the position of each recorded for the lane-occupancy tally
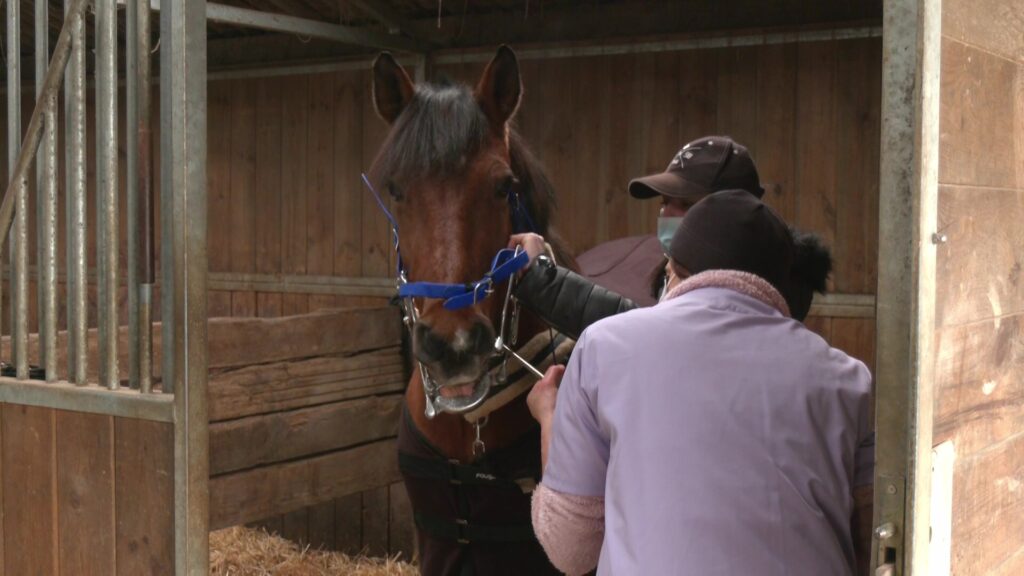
(566, 300)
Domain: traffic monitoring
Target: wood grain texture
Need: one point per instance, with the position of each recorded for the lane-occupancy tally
(267, 190)
(294, 171)
(375, 521)
(995, 25)
(144, 496)
(259, 440)
(30, 490)
(348, 524)
(979, 268)
(979, 382)
(401, 529)
(85, 493)
(291, 385)
(247, 496)
(988, 508)
(857, 125)
(978, 106)
(776, 136)
(815, 139)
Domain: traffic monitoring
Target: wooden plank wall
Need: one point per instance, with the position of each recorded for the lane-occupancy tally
(84, 494)
(979, 402)
(809, 112)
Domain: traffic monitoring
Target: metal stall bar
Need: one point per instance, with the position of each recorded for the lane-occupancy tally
(46, 203)
(74, 114)
(106, 188)
(12, 22)
(141, 275)
(131, 51)
(19, 189)
(184, 267)
(14, 196)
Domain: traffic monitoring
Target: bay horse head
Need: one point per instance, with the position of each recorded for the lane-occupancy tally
(451, 164)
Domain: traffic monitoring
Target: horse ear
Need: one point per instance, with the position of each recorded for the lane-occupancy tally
(392, 87)
(500, 87)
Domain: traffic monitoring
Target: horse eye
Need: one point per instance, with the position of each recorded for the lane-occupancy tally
(394, 191)
(506, 186)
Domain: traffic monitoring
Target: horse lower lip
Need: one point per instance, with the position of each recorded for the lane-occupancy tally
(456, 391)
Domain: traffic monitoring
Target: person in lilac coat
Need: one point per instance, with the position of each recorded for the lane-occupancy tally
(712, 433)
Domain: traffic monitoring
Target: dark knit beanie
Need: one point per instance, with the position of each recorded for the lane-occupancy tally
(733, 230)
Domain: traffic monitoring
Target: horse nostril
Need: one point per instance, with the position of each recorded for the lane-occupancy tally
(482, 338)
(429, 347)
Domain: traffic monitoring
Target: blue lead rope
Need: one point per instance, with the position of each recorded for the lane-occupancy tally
(457, 296)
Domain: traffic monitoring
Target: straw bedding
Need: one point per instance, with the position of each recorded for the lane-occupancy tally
(246, 552)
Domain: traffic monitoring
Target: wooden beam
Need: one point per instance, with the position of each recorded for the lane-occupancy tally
(261, 440)
(396, 23)
(272, 22)
(281, 386)
(263, 492)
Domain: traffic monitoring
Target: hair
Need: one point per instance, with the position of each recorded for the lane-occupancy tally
(812, 264)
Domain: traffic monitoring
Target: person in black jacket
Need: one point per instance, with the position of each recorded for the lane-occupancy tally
(570, 302)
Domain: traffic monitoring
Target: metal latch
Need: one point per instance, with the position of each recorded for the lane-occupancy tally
(887, 551)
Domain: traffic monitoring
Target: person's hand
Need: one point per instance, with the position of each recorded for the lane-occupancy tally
(533, 244)
(541, 400)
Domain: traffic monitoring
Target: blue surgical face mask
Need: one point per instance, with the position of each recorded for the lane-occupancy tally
(667, 226)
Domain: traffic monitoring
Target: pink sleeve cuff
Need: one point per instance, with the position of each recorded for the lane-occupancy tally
(570, 528)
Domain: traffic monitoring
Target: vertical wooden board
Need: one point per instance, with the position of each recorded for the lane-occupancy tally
(349, 114)
(144, 496)
(294, 129)
(320, 176)
(218, 175)
(988, 507)
(243, 304)
(267, 185)
(593, 154)
(553, 140)
(30, 491)
(615, 172)
(295, 526)
(979, 268)
(268, 304)
(218, 304)
(292, 304)
(856, 337)
(321, 526)
(820, 325)
(776, 135)
(375, 521)
(994, 25)
(644, 142)
(858, 104)
(401, 530)
(270, 525)
(348, 524)
(977, 108)
(698, 94)
(85, 492)
(737, 95)
(376, 235)
(243, 189)
(979, 380)
(320, 182)
(816, 139)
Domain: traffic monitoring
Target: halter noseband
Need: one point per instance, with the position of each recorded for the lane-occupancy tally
(504, 266)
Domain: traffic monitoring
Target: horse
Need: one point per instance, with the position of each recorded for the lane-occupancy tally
(459, 176)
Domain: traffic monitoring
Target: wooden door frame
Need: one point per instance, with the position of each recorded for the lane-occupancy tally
(911, 43)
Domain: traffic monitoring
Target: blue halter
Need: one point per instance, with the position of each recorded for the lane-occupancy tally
(457, 296)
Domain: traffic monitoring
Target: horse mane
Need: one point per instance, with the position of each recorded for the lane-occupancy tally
(439, 129)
